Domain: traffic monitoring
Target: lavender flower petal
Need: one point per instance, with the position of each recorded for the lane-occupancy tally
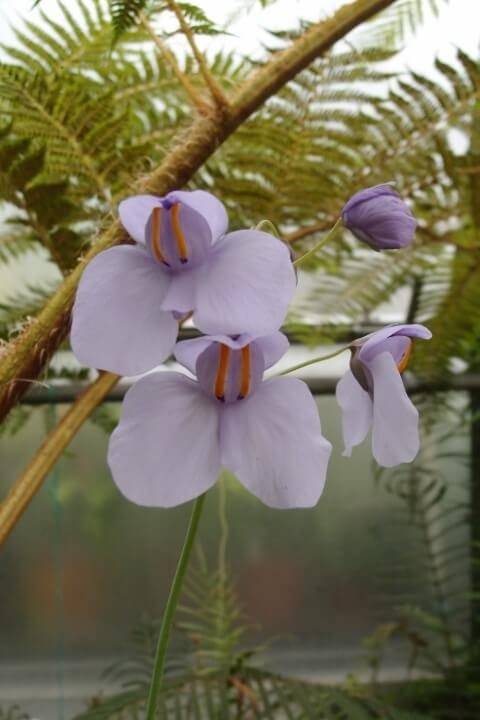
(379, 217)
(370, 344)
(134, 213)
(273, 347)
(395, 437)
(117, 321)
(245, 285)
(212, 210)
(357, 411)
(165, 450)
(272, 442)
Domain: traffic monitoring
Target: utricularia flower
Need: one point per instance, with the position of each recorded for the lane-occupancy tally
(372, 394)
(379, 217)
(130, 298)
(177, 432)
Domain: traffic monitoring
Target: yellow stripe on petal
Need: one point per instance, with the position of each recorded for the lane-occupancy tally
(245, 373)
(222, 371)
(156, 239)
(405, 359)
(182, 246)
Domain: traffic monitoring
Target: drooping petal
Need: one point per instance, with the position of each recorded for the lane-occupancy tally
(395, 420)
(207, 205)
(357, 411)
(273, 347)
(272, 442)
(134, 213)
(369, 343)
(117, 321)
(245, 285)
(165, 451)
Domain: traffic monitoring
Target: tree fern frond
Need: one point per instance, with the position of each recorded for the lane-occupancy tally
(125, 14)
(398, 22)
(18, 307)
(439, 511)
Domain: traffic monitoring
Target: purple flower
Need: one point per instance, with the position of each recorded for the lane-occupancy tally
(130, 297)
(372, 393)
(176, 433)
(379, 217)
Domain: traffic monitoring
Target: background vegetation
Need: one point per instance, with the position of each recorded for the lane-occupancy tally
(96, 100)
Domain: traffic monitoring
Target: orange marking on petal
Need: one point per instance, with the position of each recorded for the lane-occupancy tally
(245, 373)
(156, 235)
(405, 359)
(221, 377)
(179, 236)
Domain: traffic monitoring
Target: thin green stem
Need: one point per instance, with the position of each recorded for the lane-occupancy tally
(222, 514)
(319, 245)
(170, 608)
(314, 360)
(268, 227)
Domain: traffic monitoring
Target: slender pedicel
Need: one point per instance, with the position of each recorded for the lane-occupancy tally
(156, 236)
(170, 608)
(245, 373)
(182, 246)
(313, 361)
(405, 359)
(319, 245)
(221, 377)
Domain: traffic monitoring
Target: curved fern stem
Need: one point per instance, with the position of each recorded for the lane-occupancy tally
(25, 487)
(170, 58)
(215, 89)
(171, 606)
(319, 245)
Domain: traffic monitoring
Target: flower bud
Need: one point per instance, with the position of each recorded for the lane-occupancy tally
(379, 217)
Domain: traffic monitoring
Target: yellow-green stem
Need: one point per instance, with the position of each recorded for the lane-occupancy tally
(269, 227)
(212, 84)
(170, 58)
(25, 486)
(319, 245)
(313, 361)
(170, 608)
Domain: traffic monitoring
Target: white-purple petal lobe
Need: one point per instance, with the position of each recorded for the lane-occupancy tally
(245, 285)
(357, 411)
(272, 442)
(187, 351)
(165, 451)
(370, 344)
(117, 323)
(273, 347)
(207, 205)
(134, 213)
(395, 437)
